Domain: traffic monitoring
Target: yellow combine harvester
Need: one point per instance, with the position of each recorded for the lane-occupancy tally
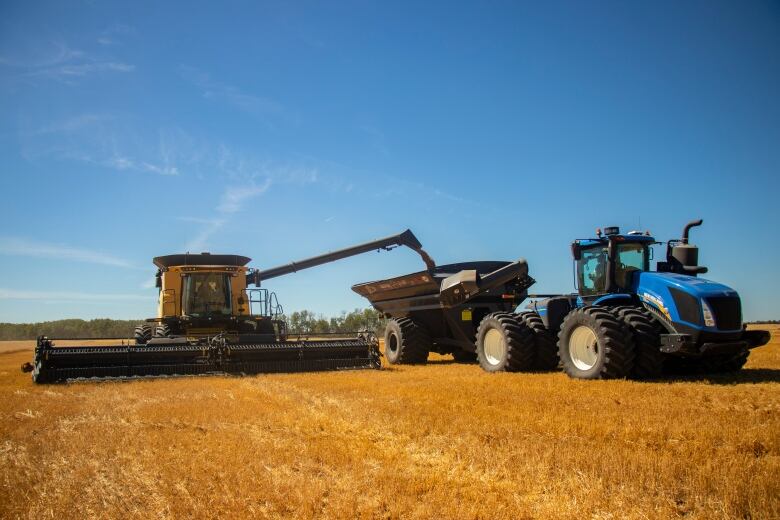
(210, 321)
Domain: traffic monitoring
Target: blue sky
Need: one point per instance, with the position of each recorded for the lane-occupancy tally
(495, 130)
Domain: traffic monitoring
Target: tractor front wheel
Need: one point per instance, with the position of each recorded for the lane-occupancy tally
(595, 344)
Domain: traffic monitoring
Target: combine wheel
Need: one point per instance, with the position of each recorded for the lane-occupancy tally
(504, 343)
(649, 360)
(727, 363)
(464, 356)
(143, 333)
(546, 351)
(406, 342)
(595, 344)
(162, 331)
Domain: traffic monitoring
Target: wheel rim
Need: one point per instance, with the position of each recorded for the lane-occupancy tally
(583, 347)
(495, 346)
(393, 343)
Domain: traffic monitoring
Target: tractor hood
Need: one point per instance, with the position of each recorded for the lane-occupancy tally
(678, 297)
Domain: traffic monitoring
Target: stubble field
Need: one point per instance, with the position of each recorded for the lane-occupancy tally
(439, 441)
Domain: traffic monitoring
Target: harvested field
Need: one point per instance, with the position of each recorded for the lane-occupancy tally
(441, 441)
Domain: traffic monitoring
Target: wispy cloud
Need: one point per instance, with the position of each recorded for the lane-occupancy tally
(234, 197)
(107, 141)
(65, 64)
(12, 294)
(250, 103)
(200, 241)
(21, 247)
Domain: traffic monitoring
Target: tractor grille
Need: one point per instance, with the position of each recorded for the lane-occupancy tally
(727, 311)
(687, 306)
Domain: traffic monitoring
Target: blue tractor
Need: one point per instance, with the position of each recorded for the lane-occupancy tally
(628, 321)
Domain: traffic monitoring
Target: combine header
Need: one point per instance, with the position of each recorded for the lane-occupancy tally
(210, 322)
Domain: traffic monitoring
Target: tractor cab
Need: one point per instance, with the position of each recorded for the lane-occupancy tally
(607, 264)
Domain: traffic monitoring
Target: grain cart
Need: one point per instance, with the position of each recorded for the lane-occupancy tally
(628, 321)
(210, 321)
(445, 309)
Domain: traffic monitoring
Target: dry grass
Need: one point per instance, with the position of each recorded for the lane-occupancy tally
(444, 440)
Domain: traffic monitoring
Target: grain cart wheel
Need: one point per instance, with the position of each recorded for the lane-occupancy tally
(595, 344)
(649, 360)
(162, 331)
(464, 356)
(406, 342)
(504, 343)
(726, 363)
(546, 349)
(143, 333)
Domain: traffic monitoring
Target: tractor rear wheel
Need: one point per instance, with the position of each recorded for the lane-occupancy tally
(595, 344)
(646, 331)
(406, 342)
(546, 349)
(162, 331)
(142, 334)
(504, 343)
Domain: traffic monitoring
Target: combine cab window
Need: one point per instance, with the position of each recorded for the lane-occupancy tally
(592, 270)
(631, 257)
(206, 293)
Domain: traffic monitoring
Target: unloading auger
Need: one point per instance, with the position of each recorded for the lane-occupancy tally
(209, 321)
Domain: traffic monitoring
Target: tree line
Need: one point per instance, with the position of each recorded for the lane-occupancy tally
(299, 322)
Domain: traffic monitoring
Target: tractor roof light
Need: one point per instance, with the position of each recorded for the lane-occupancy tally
(709, 316)
(612, 230)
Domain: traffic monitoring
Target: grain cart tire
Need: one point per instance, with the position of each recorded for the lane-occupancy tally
(464, 356)
(142, 334)
(546, 349)
(645, 330)
(162, 331)
(406, 342)
(595, 344)
(504, 343)
(726, 363)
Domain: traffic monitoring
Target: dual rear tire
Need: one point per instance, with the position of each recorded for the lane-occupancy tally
(594, 343)
(515, 343)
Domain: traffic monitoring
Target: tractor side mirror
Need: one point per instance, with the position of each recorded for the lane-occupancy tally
(576, 251)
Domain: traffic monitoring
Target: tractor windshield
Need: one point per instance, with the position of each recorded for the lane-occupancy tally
(206, 293)
(592, 270)
(631, 257)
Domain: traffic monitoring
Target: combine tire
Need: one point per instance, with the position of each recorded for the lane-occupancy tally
(504, 343)
(406, 342)
(595, 344)
(143, 333)
(649, 360)
(726, 364)
(464, 356)
(162, 331)
(546, 350)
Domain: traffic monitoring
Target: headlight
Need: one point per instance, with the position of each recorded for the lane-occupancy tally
(709, 317)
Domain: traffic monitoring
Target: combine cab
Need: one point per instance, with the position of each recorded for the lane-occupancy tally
(210, 321)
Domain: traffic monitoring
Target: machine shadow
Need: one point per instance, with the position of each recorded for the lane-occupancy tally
(744, 376)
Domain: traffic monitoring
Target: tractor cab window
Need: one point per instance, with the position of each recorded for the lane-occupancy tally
(630, 258)
(592, 270)
(206, 293)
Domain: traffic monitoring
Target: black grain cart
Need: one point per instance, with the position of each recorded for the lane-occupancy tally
(463, 309)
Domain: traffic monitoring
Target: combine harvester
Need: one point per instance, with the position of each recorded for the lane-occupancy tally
(624, 321)
(209, 321)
